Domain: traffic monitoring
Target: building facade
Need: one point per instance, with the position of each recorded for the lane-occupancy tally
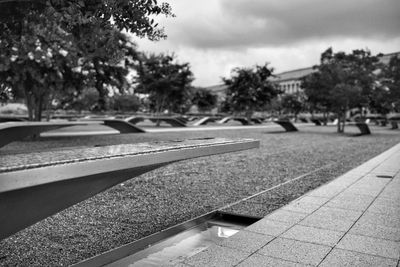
(289, 81)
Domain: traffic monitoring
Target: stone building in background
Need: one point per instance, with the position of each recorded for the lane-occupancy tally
(289, 81)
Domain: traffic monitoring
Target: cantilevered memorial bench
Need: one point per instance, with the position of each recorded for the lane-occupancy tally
(14, 131)
(287, 125)
(242, 120)
(317, 122)
(5, 118)
(174, 122)
(304, 120)
(362, 126)
(394, 124)
(36, 185)
(203, 121)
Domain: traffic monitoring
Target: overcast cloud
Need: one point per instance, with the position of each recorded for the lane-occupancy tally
(216, 35)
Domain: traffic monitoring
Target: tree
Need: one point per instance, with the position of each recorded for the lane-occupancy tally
(126, 102)
(109, 56)
(166, 81)
(32, 59)
(204, 99)
(87, 100)
(316, 87)
(342, 82)
(386, 94)
(249, 89)
(51, 48)
(293, 103)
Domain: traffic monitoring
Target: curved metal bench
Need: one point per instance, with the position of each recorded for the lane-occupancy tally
(362, 126)
(14, 131)
(242, 120)
(317, 122)
(287, 125)
(394, 124)
(203, 121)
(174, 122)
(37, 185)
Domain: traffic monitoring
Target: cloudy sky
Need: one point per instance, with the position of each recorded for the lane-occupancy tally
(215, 36)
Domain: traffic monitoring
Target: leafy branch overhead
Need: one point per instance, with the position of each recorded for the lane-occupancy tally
(57, 48)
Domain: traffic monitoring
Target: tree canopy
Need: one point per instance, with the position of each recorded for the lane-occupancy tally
(166, 81)
(204, 99)
(54, 48)
(342, 82)
(293, 103)
(386, 94)
(249, 89)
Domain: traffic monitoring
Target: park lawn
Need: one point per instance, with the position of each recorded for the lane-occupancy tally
(184, 190)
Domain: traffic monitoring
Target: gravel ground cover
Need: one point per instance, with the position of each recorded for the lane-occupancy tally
(184, 190)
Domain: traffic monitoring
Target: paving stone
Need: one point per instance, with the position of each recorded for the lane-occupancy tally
(395, 182)
(370, 245)
(332, 219)
(313, 235)
(385, 219)
(369, 191)
(332, 213)
(267, 227)
(344, 181)
(311, 199)
(385, 205)
(392, 188)
(261, 260)
(304, 207)
(391, 194)
(217, 256)
(376, 230)
(286, 216)
(351, 201)
(372, 181)
(295, 251)
(246, 241)
(326, 191)
(368, 186)
(343, 258)
(329, 224)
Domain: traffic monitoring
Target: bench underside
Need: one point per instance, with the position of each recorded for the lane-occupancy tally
(33, 190)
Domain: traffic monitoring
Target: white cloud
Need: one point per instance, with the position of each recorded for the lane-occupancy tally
(217, 35)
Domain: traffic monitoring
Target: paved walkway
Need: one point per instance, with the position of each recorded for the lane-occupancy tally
(352, 221)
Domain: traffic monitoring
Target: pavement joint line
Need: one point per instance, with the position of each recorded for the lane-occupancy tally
(273, 257)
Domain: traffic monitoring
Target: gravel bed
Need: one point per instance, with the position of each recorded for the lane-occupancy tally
(184, 190)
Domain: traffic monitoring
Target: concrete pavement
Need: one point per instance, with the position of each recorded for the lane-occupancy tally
(352, 221)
